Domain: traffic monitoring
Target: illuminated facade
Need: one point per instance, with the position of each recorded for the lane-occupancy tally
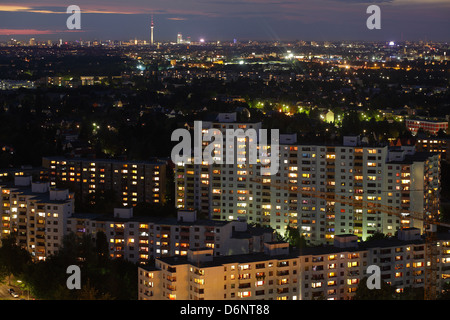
(432, 127)
(313, 181)
(435, 144)
(330, 272)
(35, 214)
(132, 182)
(138, 239)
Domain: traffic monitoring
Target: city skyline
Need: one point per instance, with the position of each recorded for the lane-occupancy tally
(324, 20)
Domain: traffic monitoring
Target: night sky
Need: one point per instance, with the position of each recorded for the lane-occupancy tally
(285, 20)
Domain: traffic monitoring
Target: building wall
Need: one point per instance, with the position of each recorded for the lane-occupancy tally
(132, 182)
(37, 218)
(361, 173)
(139, 240)
(334, 274)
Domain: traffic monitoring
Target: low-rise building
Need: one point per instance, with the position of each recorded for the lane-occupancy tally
(325, 272)
(139, 239)
(429, 126)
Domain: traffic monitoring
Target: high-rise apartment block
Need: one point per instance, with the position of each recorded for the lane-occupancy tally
(326, 272)
(35, 214)
(322, 190)
(131, 181)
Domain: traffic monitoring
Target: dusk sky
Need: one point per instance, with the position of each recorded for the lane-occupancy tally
(227, 19)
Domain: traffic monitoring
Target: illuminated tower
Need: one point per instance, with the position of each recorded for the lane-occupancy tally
(151, 36)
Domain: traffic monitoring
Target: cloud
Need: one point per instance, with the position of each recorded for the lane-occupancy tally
(12, 32)
(177, 19)
(365, 1)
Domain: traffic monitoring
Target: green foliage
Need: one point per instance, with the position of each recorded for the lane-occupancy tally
(377, 236)
(294, 238)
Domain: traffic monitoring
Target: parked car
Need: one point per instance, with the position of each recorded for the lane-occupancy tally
(13, 293)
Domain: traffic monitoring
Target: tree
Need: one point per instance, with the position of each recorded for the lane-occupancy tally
(89, 292)
(386, 292)
(13, 258)
(294, 238)
(376, 236)
(101, 246)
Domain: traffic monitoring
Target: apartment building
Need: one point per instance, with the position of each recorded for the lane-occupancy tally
(321, 189)
(36, 214)
(139, 239)
(8, 174)
(330, 272)
(429, 126)
(434, 144)
(131, 181)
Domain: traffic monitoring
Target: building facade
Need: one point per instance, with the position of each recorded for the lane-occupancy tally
(131, 182)
(35, 214)
(434, 144)
(139, 239)
(432, 127)
(322, 190)
(329, 272)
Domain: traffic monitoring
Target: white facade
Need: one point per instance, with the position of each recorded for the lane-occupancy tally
(312, 181)
(36, 215)
(138, 239)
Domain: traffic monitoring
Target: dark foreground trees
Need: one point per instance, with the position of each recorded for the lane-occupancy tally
(386, 292)
(102, 278)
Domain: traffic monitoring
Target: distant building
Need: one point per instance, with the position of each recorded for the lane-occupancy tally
(432, 127)
(132, 181)
(9, 174)
(435, 144)
(16, 84)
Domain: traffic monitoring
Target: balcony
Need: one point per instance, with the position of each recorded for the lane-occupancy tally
(282, 290)
(171, 287)
(244, 285)
(171, 269)
(283, 273)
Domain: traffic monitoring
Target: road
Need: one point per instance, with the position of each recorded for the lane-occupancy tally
(5, 295)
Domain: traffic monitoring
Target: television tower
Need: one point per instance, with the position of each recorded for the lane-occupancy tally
(151, 35)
